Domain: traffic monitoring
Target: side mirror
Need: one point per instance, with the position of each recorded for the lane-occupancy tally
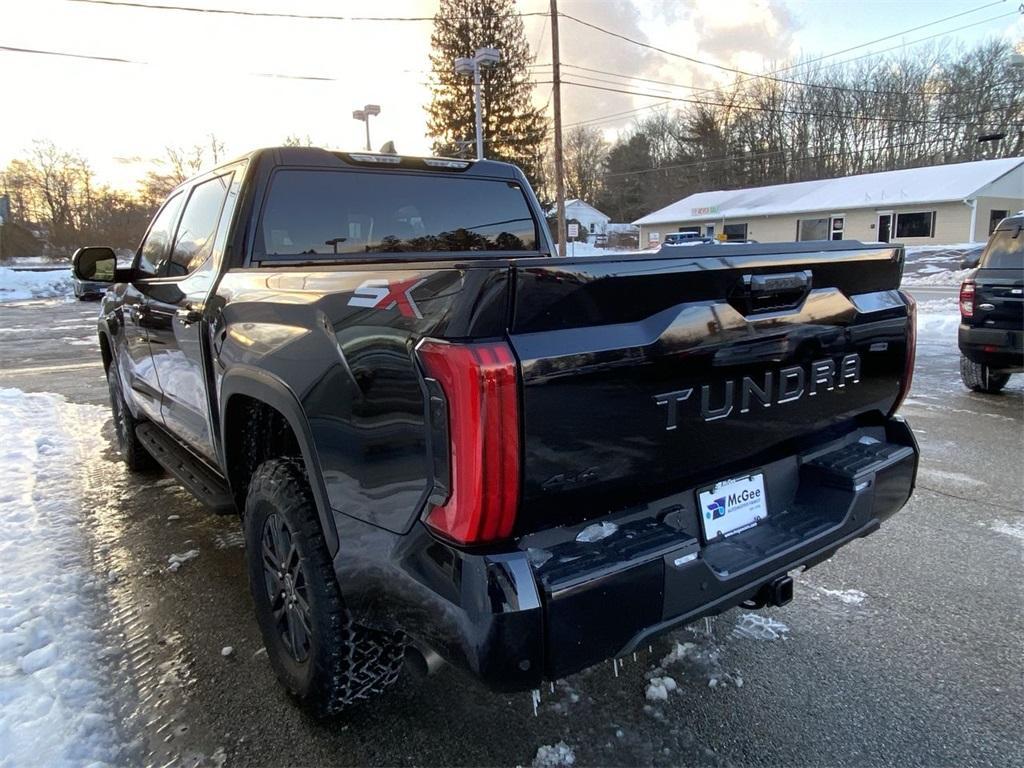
(95, 263)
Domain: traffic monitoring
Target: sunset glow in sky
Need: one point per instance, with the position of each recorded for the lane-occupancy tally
(201, 73)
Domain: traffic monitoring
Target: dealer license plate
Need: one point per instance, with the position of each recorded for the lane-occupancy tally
(731, 506)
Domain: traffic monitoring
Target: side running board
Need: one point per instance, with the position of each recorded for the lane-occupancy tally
(201, 481)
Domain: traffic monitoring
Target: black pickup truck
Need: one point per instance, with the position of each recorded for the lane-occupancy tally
(445, 442)
(991, 334)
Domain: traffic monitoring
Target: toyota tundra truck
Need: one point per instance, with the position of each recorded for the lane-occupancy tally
(446, 443)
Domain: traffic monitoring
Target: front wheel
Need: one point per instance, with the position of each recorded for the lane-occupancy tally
(322, 658)
(129, 446)
(980, 377)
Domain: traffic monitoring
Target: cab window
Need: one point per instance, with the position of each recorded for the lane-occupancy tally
(193, 243)
(158, 239)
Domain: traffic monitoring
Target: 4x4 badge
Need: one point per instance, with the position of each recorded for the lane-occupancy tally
(380, 294)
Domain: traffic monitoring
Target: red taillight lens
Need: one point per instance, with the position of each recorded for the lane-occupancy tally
(480, 386)
(908, 365)
(967, 298)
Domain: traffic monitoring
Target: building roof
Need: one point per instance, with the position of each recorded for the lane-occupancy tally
(577, 201)
(913, 186)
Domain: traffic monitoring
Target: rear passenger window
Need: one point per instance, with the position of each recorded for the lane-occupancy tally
(158, 239)
(194, 241)
(1005, 250)
(325, 214)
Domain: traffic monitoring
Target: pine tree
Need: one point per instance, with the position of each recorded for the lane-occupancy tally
(514, 130)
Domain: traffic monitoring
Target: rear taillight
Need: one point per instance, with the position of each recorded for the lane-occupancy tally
(967, 298)
(480, 389)
(908, 365)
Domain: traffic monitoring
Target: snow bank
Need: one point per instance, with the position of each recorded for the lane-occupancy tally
(22, 284)
(937, 277)
(57, 705)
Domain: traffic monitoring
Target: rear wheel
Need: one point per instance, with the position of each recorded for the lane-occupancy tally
(323, 659)
(980, 377)
(129, 446)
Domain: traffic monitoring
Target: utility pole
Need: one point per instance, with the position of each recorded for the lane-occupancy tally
(556, 99)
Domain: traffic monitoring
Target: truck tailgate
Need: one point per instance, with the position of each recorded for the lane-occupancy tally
(644, 375)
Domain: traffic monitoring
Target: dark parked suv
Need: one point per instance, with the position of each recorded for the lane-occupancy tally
(992, 311)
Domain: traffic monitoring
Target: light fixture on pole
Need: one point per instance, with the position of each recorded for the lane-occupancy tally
(483, 57)
(364, 115)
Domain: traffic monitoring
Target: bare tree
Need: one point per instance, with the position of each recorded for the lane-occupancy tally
(584, 153)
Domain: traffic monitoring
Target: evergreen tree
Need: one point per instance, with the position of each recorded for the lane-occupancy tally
(514, 130)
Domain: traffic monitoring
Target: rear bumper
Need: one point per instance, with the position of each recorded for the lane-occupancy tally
(554, 606)
(995, 347)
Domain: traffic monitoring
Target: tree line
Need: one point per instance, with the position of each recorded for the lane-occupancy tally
(919, 108)
(805, 121)
(56, 204)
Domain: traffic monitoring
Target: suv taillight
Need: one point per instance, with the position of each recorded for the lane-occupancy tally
(481, 393)
(967, 298)
(911, 358)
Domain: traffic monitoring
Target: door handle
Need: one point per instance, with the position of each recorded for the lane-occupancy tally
(189, 314)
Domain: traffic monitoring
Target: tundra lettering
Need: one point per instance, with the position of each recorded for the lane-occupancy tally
(823, 373)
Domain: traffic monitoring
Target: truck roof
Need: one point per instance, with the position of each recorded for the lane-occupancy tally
(318, 156)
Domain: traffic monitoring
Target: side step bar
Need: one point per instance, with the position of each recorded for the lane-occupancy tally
(201, 481)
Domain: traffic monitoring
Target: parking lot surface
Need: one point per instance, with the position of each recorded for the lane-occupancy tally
(904, 649)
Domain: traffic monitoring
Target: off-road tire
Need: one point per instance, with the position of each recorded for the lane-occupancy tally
(129, 446)
(980, 377)
(345, 662)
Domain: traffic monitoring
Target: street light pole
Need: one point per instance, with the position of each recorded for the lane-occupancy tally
(365, 114)
(472, 66)
(556, 102)
(479, 118)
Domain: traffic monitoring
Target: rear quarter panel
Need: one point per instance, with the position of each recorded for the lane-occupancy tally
(352, 368)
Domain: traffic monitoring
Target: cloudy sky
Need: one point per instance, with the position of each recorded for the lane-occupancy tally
(192, 74)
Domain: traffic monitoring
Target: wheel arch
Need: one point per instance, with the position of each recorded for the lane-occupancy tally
(240, 389)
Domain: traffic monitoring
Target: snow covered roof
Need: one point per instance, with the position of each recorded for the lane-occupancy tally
(937, 183)
(575, 202)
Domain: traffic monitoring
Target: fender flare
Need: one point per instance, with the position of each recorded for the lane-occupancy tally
(262, 386)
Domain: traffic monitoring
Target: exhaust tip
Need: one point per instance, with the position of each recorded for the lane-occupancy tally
(423, 661)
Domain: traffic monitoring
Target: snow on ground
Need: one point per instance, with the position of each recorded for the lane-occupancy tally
(847, 596)
(1013, 528)
(937, 276)
(23, 284)
(753, 626)
(57, 702)
(561, 754)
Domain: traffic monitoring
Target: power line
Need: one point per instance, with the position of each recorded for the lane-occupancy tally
(277, 14)
(724, 68)
(903, 32)
(115, 60)
(706, 90)
(618, 115)
(800, 113)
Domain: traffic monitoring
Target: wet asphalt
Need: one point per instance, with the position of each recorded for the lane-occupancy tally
(904, 649)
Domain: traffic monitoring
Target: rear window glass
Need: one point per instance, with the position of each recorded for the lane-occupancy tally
(334, 213)
(1004, 251)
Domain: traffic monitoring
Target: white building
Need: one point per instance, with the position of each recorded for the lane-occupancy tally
(592, 221)
(941, 204)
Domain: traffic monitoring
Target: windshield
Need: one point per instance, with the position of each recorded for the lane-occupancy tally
(329, 213)
(1005, 250)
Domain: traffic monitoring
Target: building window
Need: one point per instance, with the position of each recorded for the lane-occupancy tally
(592, 225)
(735, 231)
(812, 229)
(993, 220)
(690, 229)
(915, 224)
(838, 223)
